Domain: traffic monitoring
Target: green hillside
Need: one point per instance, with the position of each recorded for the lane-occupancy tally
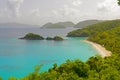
(66, 24)
(58, 25)
(109, 38)
(70, 24)
(94, 29)
(51, 25)
(86, 23)
(105, 33)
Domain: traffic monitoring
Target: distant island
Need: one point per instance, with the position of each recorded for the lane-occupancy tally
(56, 38)
(32, 36)
(69, 24)
(58, 25)
(86, 23)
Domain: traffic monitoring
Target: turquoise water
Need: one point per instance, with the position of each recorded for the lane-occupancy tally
(18, 57)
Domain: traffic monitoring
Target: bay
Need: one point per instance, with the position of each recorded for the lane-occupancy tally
(19, 57)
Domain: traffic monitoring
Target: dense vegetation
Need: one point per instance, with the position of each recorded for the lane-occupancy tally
(110, 39)
(49, 38)
(32, 36)
(56, 38)
(119, 2)
(105, 33)
(96, 68)
(94, 29)
(86, 23)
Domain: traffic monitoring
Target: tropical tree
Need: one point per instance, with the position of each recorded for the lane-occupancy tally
(0, 78)
(119, 2)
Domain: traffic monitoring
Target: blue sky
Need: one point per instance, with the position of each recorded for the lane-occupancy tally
(43, 11)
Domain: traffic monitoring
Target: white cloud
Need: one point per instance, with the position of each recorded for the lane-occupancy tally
(4, 13)
(108, 9)
(108, 6)
(66, 12)
(69, 10)
(36, 12)
(41, 11)
(77, 3)
(14, 7)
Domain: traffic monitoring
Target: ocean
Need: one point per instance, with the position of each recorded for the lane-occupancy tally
(19, 57)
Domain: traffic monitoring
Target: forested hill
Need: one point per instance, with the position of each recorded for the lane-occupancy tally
(94, 29)
(110, 39)
(58, 25)
(67, 24)
(105, 33)
(86, 23)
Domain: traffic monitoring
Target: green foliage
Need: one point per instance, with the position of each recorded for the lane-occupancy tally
(49, 38)
(12, 78)
(86, 23)
(105, 33)
(94, 29)
(110, 39)
(58, 38)
(119, 2)
(32, 36)
(96, 68)
(1, 78)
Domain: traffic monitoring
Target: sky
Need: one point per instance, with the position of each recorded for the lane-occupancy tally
(42, 11)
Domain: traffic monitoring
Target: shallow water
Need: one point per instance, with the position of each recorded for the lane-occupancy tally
(18, 57)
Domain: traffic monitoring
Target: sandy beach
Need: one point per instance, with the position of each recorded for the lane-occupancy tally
(101, 50)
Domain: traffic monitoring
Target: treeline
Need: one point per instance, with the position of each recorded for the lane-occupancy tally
(96, 68)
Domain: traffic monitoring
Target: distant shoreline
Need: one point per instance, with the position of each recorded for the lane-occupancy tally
(101, 50)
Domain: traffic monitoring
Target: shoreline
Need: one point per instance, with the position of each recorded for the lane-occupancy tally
(101, 50)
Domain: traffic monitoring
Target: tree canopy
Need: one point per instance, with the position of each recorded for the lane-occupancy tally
(32, 36)
(119, 2)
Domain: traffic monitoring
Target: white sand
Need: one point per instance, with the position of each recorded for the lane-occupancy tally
(101, 50)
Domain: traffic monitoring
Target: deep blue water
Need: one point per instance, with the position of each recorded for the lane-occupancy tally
(18, 57)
